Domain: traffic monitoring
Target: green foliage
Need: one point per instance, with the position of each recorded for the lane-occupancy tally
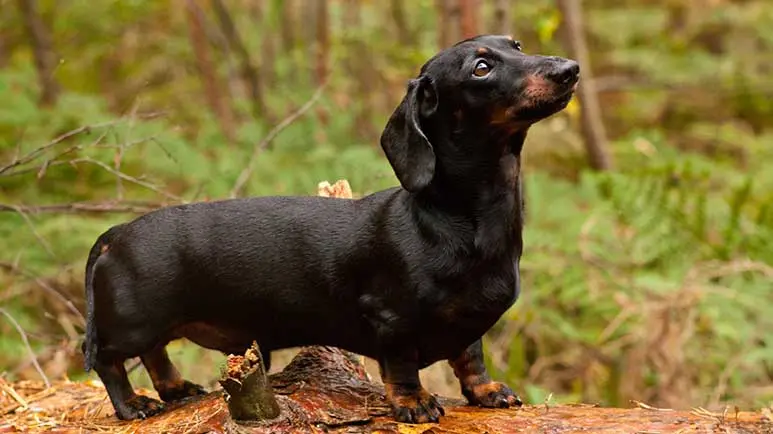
(651, 282)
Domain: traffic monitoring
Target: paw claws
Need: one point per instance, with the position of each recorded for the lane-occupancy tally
(515, 401)
(493, 395)
(426, 410)
(140, 407)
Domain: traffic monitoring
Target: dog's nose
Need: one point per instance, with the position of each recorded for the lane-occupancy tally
(566, 72)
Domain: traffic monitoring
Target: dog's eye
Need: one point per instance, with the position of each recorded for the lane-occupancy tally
(517, 45)
(482, 69)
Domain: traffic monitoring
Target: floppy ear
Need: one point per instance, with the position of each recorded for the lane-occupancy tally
(405, 144)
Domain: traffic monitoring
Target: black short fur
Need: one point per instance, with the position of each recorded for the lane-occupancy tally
(407, 276)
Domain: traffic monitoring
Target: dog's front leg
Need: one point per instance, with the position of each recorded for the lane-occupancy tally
(476, 383)
(410, 402)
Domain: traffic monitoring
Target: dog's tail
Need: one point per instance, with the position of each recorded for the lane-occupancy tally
(89, 346)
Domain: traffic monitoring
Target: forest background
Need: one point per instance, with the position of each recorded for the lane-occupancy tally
(648, 267)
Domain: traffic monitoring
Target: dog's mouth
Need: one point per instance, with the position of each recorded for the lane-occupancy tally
(542, 106)
(538, 101)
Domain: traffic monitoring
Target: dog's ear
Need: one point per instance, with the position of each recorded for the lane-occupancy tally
(406, 146)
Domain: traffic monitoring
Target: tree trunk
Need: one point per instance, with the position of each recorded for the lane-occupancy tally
(322, 58)
(322, 55)
(502, 16)
(288, 22)
(592, 125)
(468, 10)
(448, 19)
(214, 96)
(404, 31)
(42, 50)
(249, 72)
(307, 28)
(357, 66)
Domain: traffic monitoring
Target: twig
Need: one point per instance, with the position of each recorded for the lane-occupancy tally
(29, 400)
(41, 283)
(33, 359)
(129, 178)
(648, 407)
(54, 161)
(34, 231)
(121, 147)
(702, 412)
(547, 402)
(87, 207)
(730, 368)
(247, 172)
(21, 402)
(32, 155)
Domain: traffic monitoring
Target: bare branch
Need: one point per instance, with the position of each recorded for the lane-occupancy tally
(41, 240)
(26, 341)
(13, 268)
(37, 152)
(113, 207)
(247, 172)
(119, 152)
(128, 178)
(55, 160)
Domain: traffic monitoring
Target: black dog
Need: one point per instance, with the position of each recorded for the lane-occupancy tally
(407, 276)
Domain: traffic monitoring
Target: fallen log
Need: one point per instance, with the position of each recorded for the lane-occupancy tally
(324, 390)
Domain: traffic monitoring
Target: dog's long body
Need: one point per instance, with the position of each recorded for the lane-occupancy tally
(407, 276)
(293, 271)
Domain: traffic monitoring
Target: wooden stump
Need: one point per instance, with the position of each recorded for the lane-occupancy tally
(248, 392)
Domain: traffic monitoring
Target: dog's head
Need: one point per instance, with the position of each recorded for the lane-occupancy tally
(476, 90)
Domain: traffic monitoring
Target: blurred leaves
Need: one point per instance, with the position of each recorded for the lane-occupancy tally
(649, 283)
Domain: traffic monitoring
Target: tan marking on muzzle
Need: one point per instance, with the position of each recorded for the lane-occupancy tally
(537, 89)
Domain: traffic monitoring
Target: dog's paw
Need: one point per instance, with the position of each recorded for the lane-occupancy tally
(493, 395)
(181, 391)
(139, 407)
(417, 406)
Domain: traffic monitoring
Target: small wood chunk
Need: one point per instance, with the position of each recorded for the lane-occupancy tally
(340, 189)
(248, 392)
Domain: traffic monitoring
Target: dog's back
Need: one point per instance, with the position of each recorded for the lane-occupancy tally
(247, 264)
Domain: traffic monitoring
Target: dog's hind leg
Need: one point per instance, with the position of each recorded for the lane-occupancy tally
(128, 405)
(166, 378)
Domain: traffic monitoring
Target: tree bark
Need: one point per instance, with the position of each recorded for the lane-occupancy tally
(502, 16)
(214, 96)
(249, 71)
(468, 10)
(592, 124)
(322, 55)
(250, 396)
(357, 65)
(448, 19)
(42, 50)
(288, 22)
(404, 31)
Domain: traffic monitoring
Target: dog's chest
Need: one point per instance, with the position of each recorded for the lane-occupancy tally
(471, 305)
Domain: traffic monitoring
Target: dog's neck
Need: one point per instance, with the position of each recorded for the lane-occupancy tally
(485, 193)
